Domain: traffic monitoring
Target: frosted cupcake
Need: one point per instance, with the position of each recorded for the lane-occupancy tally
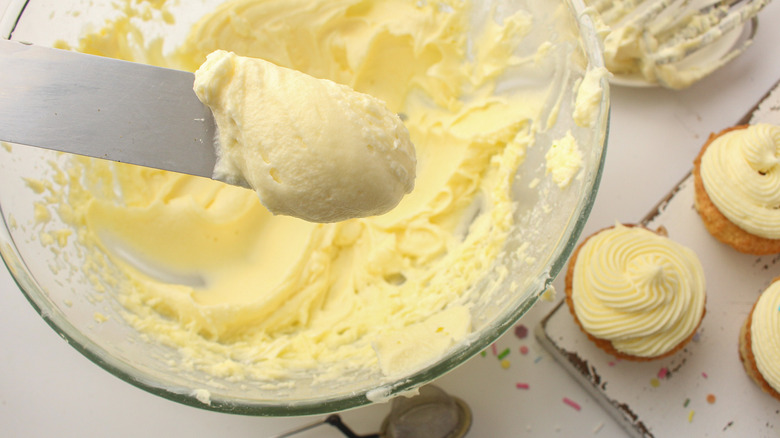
(759, 341)
(635, 293)
(737, 184)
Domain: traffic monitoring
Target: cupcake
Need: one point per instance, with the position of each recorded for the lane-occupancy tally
(737, 185)
(759, 341)
(635, 293)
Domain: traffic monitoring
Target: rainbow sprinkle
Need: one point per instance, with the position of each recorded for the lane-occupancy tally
(687, 401)
(690, 416)
(505, 364)
(494, 349)
(504, 353)
(521, 331)
(663, 372)
(655, 383)
(523, 349)
(522, 385)
(572, 403)
(703, 374)
(710, 398)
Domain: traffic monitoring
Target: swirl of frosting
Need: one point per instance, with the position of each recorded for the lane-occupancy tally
(637, 289)
(765, 335)
(741, 174)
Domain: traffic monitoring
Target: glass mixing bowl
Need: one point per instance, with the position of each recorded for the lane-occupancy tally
(547, 224)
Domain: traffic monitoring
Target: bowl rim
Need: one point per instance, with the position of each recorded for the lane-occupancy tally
(457, 356)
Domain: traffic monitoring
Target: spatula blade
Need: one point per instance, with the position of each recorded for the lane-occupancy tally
(105, 108)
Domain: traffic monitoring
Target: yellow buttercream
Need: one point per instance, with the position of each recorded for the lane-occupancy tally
(765, 335)
(589, 92)
(204, 267)
(643, 292)
(310, 148)
(741, 175)
(563, 160)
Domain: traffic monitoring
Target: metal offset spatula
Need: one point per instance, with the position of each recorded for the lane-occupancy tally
(105, 108)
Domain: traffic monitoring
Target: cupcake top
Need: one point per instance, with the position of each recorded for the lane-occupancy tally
(641, 291)
(740, 171)
(765, 335)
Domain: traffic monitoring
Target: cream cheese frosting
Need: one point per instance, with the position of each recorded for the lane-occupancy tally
(643, 292)
(765, 335)
(740, 174)
(243, 294)
(310, 148)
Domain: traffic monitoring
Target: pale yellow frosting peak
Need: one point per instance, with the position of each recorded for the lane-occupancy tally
(765, 335)
(637, 289)
(741, 176)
